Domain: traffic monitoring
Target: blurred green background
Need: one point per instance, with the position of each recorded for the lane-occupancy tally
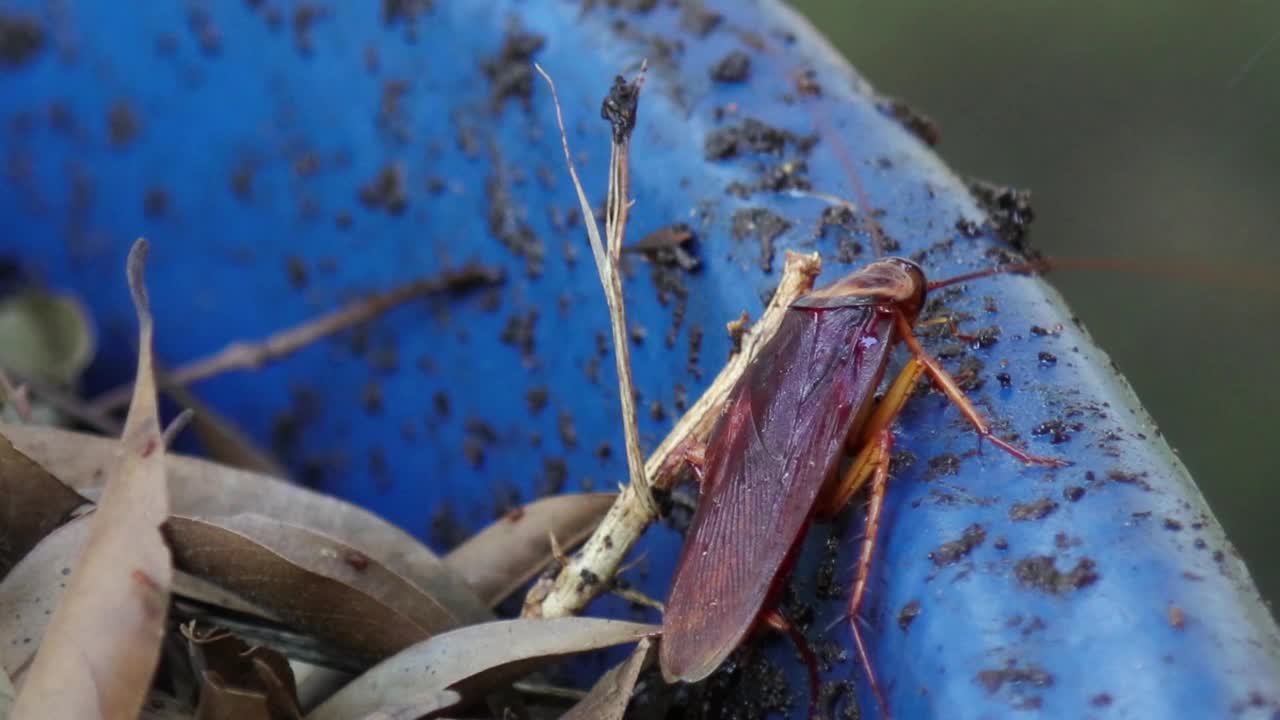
(1147, 132)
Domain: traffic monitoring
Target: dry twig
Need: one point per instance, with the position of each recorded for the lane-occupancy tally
(253, 355)
(601, 556)
(620, 109)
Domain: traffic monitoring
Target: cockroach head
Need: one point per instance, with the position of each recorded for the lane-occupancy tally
(893, 280)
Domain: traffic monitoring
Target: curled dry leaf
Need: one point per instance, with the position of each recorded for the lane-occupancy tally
(101, 647)
(35, 503)
(314, 582)
(470, 660)
(611, 694)
(240, 681)
(498, 560)
(204, 489)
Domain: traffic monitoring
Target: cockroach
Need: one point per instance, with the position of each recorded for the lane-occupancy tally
(774, 460)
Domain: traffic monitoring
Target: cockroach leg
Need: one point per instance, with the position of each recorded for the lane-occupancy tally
(775, 619)
(882, 449)
(953, 327)
(836, 496)
(948, 385)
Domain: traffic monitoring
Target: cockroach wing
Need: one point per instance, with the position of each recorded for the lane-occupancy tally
(780, 436)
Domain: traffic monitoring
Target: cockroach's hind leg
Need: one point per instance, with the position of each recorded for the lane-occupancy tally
(775, 619)
(883, 450)
(948, 385)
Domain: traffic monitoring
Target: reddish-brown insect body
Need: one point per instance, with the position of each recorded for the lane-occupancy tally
(774, 458)
(779, 439)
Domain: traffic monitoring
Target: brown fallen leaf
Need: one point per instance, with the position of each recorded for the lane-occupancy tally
(35, 503)
(611, 694)
(101, 647)
(314, 582)
(470, 660)
(501, 558)
(240, 681)
(199, 488)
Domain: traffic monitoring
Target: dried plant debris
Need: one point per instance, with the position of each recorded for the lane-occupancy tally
(612, 693)
(471, 660)
(500, 559)
(204, 489)
(322, 586)
(103, 640)
(35, 503)
(237, 680)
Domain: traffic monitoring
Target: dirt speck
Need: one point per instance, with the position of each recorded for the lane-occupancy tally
(510, 71)
(734, 67)
(155, 203)
(697, 19)
(765, 226)
(908, 614)
(386, 191)
(953, 551)
(1039, 572)
(942, 466)
(993, 680)
(753, 136)
(1034, 510)
(916, 122)
(537, 397)
(21, 39)
(123, 125)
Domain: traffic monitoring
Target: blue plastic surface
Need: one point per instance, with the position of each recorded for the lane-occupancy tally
(260, 123)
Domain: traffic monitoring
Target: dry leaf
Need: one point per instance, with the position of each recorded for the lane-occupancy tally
(101, 647)
(500, 559)
(611, 694)
(317, 584)
(470, 660)
(31, 591)
(239, 681)
(423, 706)
(35, 503)
(203, 489)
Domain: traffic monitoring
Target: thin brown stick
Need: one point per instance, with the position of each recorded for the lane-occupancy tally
(608, 257)
(567, 593)
(253, 355)
(66, 403)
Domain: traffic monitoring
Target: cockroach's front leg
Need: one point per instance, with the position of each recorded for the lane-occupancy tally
(948, 385)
